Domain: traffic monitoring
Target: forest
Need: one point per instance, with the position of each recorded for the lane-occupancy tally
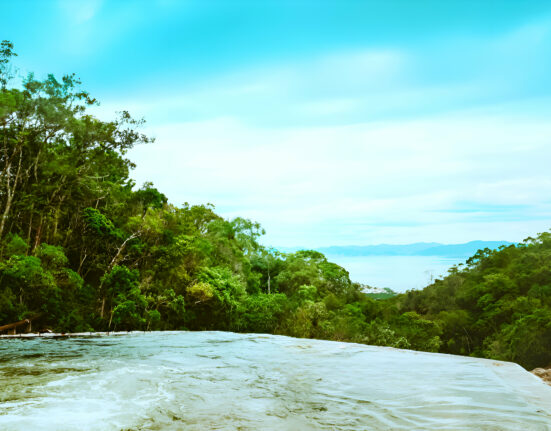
(87, 249)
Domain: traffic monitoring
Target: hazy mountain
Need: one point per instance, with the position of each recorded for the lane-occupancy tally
(417, 249)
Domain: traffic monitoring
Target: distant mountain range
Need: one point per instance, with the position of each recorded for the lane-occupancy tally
(417, 249)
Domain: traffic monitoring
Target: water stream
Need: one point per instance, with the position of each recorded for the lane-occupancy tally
(217, 380)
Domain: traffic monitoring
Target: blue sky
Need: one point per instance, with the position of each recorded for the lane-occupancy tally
(330, 123)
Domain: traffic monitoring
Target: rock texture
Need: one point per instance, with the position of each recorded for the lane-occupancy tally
(543, 373)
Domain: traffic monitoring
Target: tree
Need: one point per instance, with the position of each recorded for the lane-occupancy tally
(124, 298)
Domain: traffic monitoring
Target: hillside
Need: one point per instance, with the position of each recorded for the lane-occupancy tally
(497, 306)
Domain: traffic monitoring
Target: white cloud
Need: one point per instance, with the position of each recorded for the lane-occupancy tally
(365, 146)
(361, 85)
(313, 89)
(368, 182)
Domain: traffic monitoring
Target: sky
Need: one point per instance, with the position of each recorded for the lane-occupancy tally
(329, 122)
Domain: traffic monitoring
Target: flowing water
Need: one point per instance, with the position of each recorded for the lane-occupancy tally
(217, 380)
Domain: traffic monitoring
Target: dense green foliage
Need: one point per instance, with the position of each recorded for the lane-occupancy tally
(497, 306)
(86, 249)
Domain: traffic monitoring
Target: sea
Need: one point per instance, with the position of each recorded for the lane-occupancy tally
(399, 273)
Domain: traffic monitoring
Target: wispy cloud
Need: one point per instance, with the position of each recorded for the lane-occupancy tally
(365, 85)
(444, 136)
(367, 181)
(80, 11)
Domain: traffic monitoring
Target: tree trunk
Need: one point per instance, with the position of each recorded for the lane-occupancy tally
(6, 210)
(110, 320)
(82, 259)
(56, 221)
(38, 235)
(119, 251)
(10, 191)
(29, 231)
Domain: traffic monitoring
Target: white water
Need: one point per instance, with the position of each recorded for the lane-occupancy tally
(215, 380)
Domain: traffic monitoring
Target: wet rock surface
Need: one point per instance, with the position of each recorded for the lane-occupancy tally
(216, 380)
(543, 373)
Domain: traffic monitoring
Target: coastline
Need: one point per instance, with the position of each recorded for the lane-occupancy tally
(69, 334)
